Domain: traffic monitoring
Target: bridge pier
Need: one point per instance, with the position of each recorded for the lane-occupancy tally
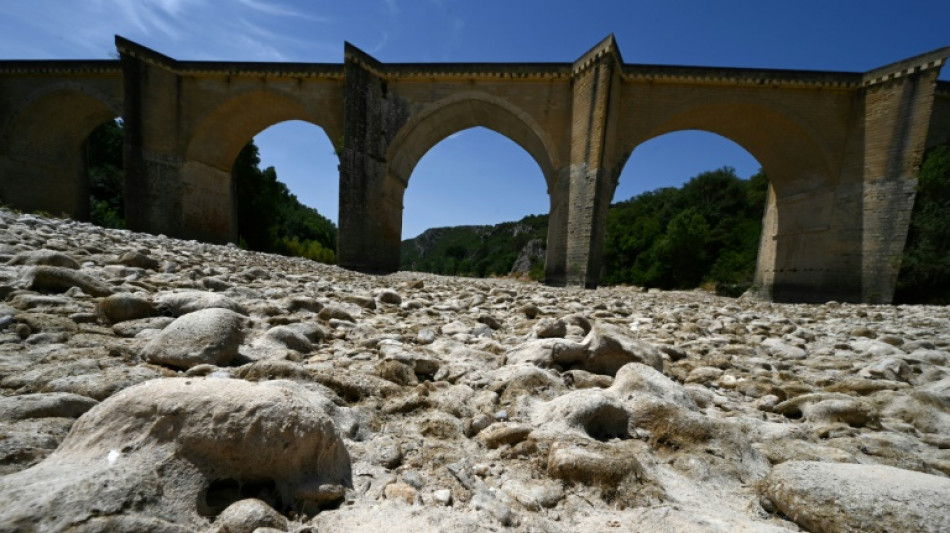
(595, 159)
(370, 219)
(152, 155)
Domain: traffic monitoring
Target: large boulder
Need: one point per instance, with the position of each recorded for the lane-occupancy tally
(60, 279)
(171, 454)
(826, 497)
(181, 303)
(209, 336)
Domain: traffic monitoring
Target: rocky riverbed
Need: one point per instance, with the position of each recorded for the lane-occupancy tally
(153, 384)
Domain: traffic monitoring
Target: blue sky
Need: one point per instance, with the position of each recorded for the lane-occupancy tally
(478, 176)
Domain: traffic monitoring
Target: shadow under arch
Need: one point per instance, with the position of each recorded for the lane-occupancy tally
(209, 209)
(42, 164)
(799, 213)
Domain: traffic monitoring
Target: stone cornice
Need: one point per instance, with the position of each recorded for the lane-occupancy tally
(60, 67)
(443, 71)
(605, 50)
(449, 71)
(218, 68)
(910, 66)
(741, 76)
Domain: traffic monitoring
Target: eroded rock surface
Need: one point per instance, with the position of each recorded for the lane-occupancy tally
(180, 449)
(151, 384)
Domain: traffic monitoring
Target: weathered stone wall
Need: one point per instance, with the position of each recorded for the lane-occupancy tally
(179, 171)
(896, 124)
(593, 180)
(46, 114)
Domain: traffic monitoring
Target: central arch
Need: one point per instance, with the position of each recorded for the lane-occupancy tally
(208, 198)
(461, 112)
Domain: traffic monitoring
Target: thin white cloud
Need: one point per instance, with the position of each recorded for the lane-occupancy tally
(243, 30)
(277, 10)
(383, 39)
(391, 7)
(261, 50)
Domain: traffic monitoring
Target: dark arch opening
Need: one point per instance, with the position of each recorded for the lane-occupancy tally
(688, 212)
(104, 174)
(461, 188)
(209, 203)
(276, 212)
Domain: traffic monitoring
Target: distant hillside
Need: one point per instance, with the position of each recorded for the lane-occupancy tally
(480, 251)
(704, 232)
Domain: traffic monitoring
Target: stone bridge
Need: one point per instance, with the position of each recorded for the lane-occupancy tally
(842, 150)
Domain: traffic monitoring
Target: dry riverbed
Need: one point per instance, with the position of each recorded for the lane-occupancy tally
(153, 384)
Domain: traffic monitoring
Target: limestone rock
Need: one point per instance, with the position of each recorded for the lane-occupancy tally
(590, 413)
(209, 336)
(247, 516)
(589, 466)
(866, 498)
(177, 452)
(501, 433)
(289, 338)
(651, 411)
(138, 260)
(609, 348)
(55, 404)
(177, 304)
(44, 257)
(548, 327)
(124, 306)
(389, 296)
(61, 279)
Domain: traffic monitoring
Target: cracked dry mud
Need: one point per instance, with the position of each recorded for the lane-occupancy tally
(152, 384)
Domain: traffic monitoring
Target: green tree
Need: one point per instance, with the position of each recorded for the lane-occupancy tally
(684, 250)
(925, 270)
(706, 231)
(272, 219)
(103, 150)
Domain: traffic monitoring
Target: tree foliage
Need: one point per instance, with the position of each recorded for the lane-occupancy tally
(706, 231)
(271, 219)
(106, 179)
(925, 270)
(479, 251)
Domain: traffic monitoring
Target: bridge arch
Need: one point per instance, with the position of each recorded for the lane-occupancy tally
(208, 196)
(43, 160)
(800, 206)
(460, 112)
(792, 153)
